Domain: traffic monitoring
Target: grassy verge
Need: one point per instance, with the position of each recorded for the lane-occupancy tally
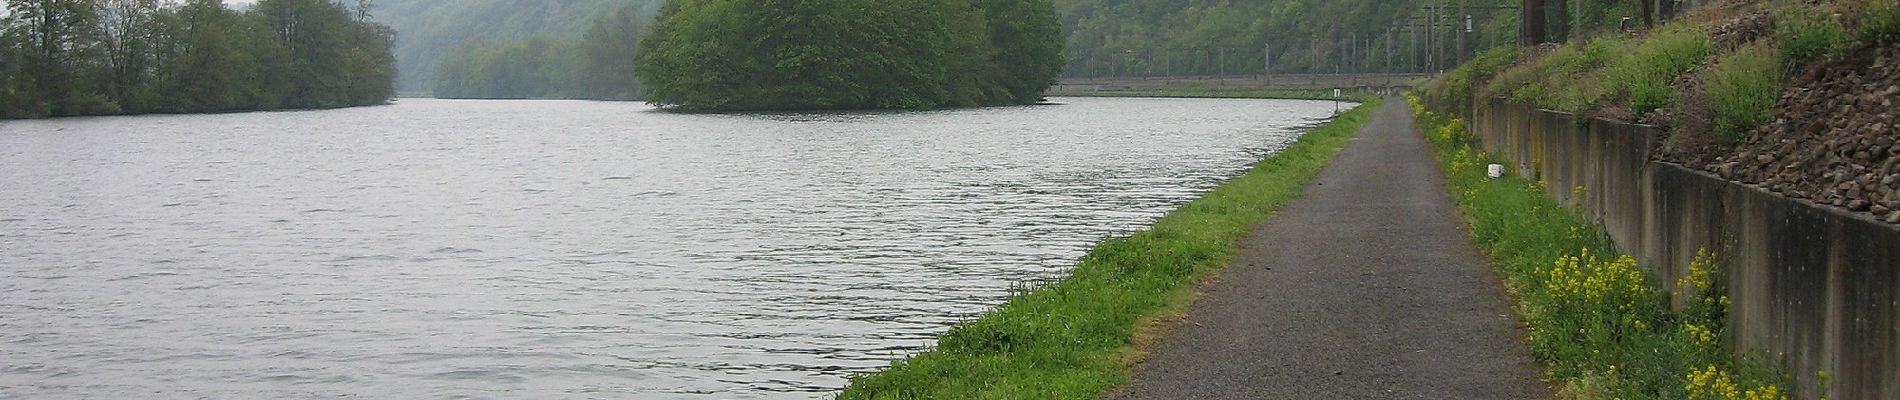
(1076, 338)
(1597, 319)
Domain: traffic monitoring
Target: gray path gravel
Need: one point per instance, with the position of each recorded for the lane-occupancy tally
(1366, 288)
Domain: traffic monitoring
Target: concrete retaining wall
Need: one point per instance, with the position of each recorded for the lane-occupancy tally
(1812, 284)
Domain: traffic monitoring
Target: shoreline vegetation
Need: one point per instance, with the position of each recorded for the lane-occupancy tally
(1078, 337)
(93, 57)
(730, 55)
(1602, 324)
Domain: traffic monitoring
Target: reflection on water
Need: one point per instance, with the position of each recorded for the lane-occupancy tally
(514, 249)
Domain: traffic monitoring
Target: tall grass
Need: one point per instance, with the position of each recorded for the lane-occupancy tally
(1075, 338)
(1459, 85)
(1742, 89)
(1601, 323)
(1646, 73)
(1567, 78)
(1809, 33)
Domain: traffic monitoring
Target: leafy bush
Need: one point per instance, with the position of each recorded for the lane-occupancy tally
(1742, 89)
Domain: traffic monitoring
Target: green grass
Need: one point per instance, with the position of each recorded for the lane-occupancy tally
(1567, 78)
(1646, 75)
(1602, 324)
(1742, 88)
(1458, 85)
(1809, 33)
(1076, 338)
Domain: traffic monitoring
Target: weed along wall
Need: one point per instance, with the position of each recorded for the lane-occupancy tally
(1814, 285)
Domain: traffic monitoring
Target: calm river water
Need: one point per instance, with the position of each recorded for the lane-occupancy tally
(555, 249)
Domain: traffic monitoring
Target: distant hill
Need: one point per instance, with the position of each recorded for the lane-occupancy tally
(1156, 37)
(428, 29)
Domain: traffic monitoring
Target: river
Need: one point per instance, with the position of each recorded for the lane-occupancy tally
(561, 249)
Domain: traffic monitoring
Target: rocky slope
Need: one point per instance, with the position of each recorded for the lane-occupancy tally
(1835, 139)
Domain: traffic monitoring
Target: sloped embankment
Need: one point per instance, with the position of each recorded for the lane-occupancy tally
(1833, 140)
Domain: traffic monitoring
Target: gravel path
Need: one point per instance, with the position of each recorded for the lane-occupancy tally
(1365, 288)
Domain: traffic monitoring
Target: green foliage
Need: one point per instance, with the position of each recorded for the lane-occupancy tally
(1742, 88)
(1597, 319)
(1881, 24)
(1457, 85)
(94, 57)
(1067, 339)
(1568, 78)
(1809, 33)
(596, 65)
(1646, 74)
(836, 54)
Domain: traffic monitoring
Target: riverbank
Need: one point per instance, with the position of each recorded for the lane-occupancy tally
(1077, 338)
(1604, 327)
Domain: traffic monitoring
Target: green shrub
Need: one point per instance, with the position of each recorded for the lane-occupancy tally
(1647, 74)
(1742, 88)
(1809, 33)
(1880, 26)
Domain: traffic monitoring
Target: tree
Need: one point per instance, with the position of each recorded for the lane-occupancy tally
(831, 54)
(61, 36)
(128, 29)
(89, 57)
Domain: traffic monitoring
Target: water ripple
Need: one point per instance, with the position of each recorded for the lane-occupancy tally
(450, 249)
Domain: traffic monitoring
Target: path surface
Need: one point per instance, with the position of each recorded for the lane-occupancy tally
(1366, 288)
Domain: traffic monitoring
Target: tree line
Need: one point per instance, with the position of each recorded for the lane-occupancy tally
(596, 65)
(847, 54)
(99, 57)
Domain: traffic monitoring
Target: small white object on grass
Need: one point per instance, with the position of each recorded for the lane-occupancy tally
(1496, 171)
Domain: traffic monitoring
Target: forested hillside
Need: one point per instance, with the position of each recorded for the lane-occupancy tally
(1156, 37)
(595, 65)
(433, 29)
(97, 57)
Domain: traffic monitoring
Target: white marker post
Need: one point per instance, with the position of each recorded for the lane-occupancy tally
(1336, 101)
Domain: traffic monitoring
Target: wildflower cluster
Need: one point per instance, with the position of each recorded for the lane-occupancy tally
(1586, 281)
(1713, 384)
(1703, 291)
(1595, 317)
(1701, 334)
